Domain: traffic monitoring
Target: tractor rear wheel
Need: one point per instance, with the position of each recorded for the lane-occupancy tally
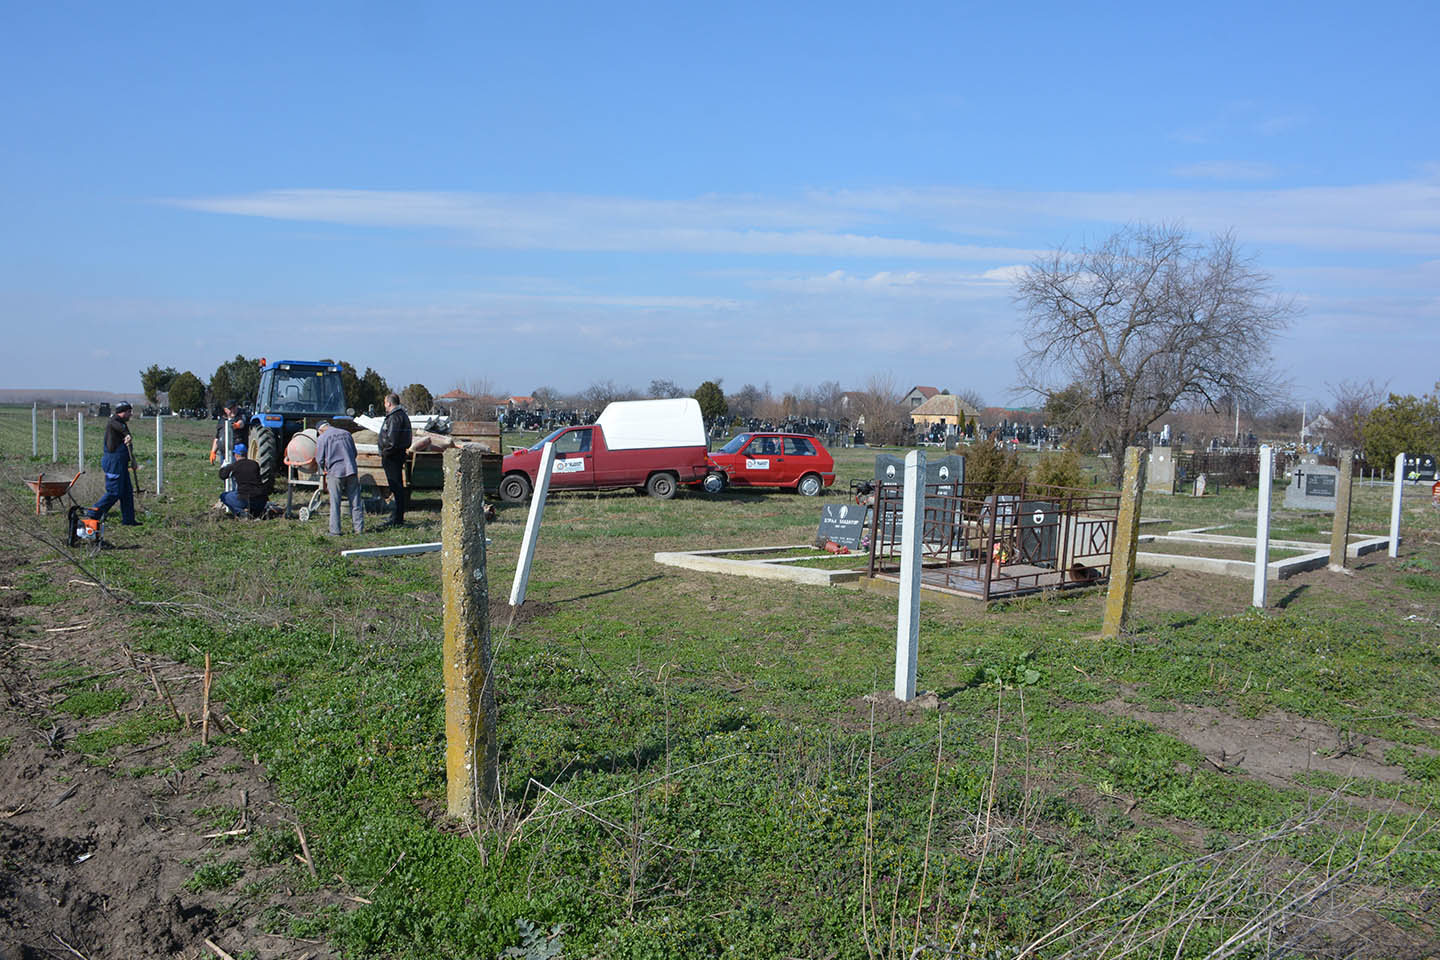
(266, 452)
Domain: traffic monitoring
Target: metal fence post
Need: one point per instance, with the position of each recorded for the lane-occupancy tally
(1397, 492)
(159, 453)
(471, 752)
(34, 429)
(1262, 528)
(907, 627)
(54, 435)
(79, 441)
(532, 525)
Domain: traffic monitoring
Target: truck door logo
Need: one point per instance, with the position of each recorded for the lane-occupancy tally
(576, 465)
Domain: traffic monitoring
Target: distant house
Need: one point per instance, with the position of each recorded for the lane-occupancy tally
(945, 409)
(520, 403)
(456, 396)
(918, 395)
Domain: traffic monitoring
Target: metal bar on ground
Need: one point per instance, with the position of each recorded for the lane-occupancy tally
(1262, 528)
(397, 551)
(907, 627)
(1395, 495)
(532, 525)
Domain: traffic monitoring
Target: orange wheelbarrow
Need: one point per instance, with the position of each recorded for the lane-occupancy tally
(50, 492)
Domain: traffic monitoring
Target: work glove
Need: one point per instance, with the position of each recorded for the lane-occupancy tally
(212, 456)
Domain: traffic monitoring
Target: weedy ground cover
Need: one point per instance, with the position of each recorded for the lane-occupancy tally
(699, 765)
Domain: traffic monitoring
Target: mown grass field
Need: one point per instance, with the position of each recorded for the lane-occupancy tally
(695, 765)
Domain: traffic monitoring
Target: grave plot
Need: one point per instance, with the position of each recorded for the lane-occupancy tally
(1205, 551)
(991, 540)
(798, 564)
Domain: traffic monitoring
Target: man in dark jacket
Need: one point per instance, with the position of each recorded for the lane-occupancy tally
(239, 429)
(395, 440)
(248, 497)
(116, 462)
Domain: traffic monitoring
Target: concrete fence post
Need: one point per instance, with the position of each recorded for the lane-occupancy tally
(471, 752)
(1127, 536)
(1262, 527)
(912, 526)
(1340, 532)
(1397, 493)
(532, 525)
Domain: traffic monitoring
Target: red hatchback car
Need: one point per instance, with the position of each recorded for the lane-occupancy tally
(771, 460)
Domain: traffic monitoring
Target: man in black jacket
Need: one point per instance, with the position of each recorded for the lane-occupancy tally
(248, 497)
(395, 440)
(117, 460)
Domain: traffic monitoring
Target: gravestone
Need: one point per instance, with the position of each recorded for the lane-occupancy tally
(844, 523)
(1312, 486)
(1200, 482)
(1160, 471)
(1039, 533)
(944, 477)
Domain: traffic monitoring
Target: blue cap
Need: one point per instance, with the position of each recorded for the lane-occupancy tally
(239, 449)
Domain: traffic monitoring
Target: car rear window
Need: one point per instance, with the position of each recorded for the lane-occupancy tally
(799, 447)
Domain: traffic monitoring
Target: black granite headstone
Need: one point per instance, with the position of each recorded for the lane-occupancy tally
(843, 523)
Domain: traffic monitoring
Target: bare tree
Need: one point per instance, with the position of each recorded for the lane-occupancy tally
(1143, 320)
(885, 419)
(1350, 403)
(972, 397)
(666, 390)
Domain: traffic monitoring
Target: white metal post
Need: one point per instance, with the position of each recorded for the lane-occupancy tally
(229, 452)
(532, 525)
(1262, 526)
(54, 435)
(907, 626)
(1396, 493)
(159, 452)
(80, 441)
(34, 429)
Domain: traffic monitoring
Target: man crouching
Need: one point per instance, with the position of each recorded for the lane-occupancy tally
(248, 497)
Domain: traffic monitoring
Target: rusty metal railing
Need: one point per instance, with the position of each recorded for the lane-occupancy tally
(1000, 539)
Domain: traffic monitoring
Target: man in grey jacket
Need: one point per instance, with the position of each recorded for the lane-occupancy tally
(335, 453)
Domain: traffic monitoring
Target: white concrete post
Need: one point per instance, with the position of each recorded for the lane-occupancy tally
(34, 429)
(1396, 493)
(159, 452)
(532, 525)
(229, 452)
(79, 441)
(54, 436)
(907, 626)
(1262, 526)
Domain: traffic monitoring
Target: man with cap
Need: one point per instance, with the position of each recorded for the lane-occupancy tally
(248, 497)
(239, 428)
(116, 461)
(395, 439)
(336, 455)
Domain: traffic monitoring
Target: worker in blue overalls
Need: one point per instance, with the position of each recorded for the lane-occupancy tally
(116, 463)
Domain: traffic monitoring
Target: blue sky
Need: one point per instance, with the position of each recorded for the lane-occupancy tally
(551, 194)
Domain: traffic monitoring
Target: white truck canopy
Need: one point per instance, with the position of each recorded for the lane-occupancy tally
(648, 424)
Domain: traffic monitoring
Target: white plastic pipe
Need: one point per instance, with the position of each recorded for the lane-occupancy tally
(1262, 526)
(1396, 493)
(907, 626)
(532, 525)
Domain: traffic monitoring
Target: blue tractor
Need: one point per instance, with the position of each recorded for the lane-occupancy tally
(293, 395)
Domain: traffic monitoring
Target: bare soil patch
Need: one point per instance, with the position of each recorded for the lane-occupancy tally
(99, 853)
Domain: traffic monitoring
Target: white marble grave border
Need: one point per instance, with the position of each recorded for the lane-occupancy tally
(1314, 557)
(774, 568)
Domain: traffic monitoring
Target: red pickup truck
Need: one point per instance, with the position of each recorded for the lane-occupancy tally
(651, 445)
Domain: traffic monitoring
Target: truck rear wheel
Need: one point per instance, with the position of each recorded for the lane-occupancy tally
(661, 486)
(515, 488)
(266, 451)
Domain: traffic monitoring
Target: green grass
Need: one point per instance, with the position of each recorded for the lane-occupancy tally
(710, 736)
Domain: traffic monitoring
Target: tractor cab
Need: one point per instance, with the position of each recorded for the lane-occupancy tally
(293, 395)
